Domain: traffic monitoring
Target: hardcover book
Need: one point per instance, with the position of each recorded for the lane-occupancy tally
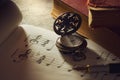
(103, 36)
(105, 13)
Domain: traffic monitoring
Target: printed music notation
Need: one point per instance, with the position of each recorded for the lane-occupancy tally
(39, 48)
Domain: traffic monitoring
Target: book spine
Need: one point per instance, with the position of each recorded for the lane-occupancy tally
(60, 6)
(104, 17)
(104, 3)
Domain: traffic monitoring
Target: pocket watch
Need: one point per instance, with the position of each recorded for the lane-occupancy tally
(69, 41)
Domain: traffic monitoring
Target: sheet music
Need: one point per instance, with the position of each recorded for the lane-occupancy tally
(30, 54)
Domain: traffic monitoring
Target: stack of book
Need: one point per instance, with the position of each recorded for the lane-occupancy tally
(106, 37)
(105, 13)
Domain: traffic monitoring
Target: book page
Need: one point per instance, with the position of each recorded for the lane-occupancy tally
(30, 53)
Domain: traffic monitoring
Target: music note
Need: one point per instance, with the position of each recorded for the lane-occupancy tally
(35, 40)
(50, 62)
(20, 55)
(99, 57)
(69, 70)
(41, 59)
(24, 55)
(45, 42)
(116, 59)
(25, 42)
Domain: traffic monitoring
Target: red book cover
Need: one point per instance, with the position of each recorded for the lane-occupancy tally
(79, 5)
(105, 3)
(105, 13)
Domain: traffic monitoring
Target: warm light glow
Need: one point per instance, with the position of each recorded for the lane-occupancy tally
(35, 12)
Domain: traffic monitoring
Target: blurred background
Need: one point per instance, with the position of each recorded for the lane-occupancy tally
(36, 12)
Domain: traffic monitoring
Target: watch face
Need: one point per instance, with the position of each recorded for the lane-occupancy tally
(71, 41)
(63, 48)
(67, 23)
(71, 47)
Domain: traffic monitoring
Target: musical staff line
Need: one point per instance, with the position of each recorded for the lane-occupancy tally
(41, 51)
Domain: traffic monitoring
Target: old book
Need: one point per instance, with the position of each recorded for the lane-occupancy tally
(103, 36)
(105, 3)
(61, 6)
(105, 13)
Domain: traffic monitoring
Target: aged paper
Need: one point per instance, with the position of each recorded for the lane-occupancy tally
(30, 54)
